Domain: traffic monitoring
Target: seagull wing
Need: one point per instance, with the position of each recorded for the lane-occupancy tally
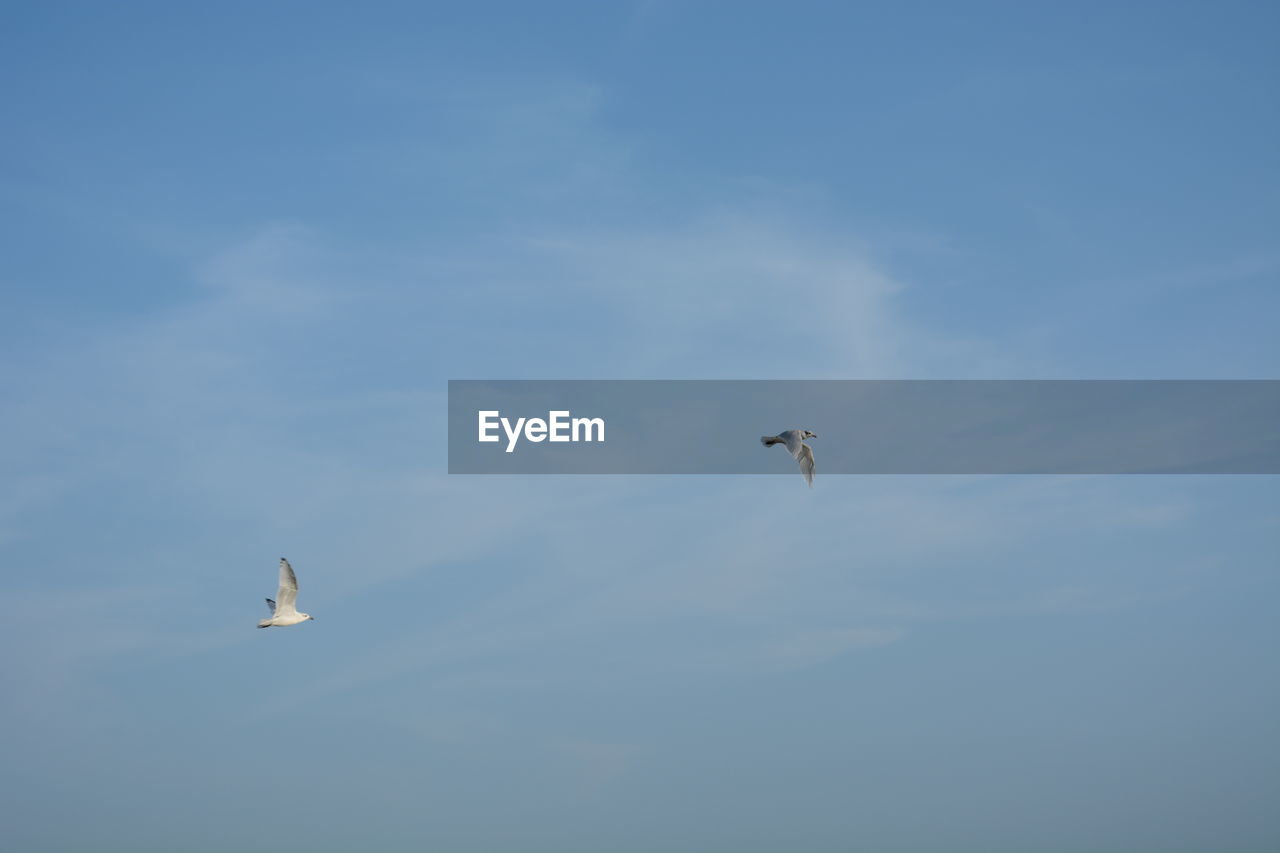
(271, 605)
(288, 593)
(804, 455)
(793, 441)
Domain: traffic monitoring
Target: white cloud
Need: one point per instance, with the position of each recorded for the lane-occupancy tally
(810, 647)
(271, 414)
(730, 296)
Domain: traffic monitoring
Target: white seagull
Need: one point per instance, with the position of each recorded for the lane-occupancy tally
(283, 613)
(794, 440)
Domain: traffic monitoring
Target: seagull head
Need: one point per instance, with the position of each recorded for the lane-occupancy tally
(306, 616)
(807, 434)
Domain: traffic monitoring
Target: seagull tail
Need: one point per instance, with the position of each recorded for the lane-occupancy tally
(770, 440)
(265, 623)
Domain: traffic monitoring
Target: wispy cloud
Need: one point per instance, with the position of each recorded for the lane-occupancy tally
(228, 407)
(810, 647)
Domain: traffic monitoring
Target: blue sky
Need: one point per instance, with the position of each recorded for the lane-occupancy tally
(243, 249)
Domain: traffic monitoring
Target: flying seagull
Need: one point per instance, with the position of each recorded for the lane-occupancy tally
(794, 440)
(283, 613)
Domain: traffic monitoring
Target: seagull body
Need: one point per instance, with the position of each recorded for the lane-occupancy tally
(283, 611)
(794, 441)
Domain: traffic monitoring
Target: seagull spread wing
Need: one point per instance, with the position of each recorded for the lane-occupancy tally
(271, 605)
(804, 455)
(288, 593)
(794, 442)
